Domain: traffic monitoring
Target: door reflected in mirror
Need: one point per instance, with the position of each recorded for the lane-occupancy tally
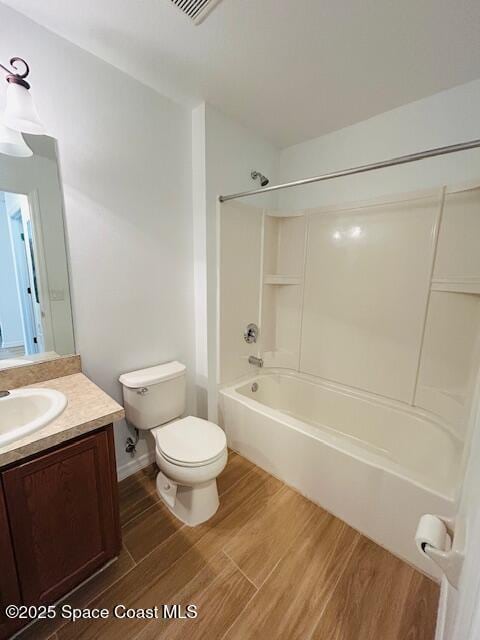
(35, 310)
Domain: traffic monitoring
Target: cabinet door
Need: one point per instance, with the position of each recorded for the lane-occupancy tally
(63, 516)
(9, 589)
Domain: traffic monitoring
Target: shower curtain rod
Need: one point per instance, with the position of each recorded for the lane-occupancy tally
(413, 157)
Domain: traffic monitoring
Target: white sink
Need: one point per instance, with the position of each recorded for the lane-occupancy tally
(25, 410)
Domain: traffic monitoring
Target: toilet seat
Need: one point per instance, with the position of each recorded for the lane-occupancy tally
(181, 463)
(190, 442)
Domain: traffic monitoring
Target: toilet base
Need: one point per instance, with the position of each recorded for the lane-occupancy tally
(191, 505)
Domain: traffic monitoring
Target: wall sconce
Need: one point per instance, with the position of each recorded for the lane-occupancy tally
(12, 143)
(20, 114)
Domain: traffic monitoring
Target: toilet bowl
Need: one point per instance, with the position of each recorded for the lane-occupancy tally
(190, 452)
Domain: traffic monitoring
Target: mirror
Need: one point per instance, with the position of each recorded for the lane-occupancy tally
(35, 307)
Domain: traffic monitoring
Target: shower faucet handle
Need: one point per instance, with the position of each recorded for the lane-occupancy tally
(251, 333)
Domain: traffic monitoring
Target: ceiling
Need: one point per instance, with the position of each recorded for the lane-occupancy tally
(289, 69)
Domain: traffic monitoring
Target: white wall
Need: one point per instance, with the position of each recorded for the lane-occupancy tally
(199, 205)
(222, 165)
(445, 118)
(240, 251)
(125, 156)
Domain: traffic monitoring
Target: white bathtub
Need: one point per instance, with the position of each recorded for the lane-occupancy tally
(376, 464)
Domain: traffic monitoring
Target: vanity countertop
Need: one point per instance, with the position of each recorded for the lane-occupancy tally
(88, 408)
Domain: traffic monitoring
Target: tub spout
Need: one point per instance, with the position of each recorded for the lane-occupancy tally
(258, 362)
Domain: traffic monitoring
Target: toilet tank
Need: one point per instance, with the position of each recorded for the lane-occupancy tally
(154, 395)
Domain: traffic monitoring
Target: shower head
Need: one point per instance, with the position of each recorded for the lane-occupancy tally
(263, 180)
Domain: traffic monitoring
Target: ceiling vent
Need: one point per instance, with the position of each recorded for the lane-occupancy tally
(197, 10)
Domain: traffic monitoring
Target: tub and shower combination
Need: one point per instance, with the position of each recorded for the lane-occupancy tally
(370, 358)
(376, 464)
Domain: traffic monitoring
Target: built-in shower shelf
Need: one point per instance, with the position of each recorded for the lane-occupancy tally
(281, 280)
(457, 285)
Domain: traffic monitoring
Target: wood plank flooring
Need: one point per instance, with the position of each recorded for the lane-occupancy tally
(269, 564)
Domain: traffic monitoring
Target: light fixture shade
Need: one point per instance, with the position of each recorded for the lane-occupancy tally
(20, 112)
(13, 144)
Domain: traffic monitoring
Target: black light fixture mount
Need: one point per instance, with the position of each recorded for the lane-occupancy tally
(13, 74)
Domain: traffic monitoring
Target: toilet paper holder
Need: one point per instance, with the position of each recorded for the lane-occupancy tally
(443, 541)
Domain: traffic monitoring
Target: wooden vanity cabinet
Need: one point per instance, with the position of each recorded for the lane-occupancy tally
(61, 508)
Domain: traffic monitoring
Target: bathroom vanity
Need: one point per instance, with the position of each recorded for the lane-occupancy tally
(59, 520)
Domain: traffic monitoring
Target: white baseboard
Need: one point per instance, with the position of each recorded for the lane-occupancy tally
(135, 464)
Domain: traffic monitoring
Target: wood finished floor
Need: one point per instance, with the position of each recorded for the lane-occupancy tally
(270, 564)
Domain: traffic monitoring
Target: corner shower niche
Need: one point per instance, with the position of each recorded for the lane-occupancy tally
(283, 269)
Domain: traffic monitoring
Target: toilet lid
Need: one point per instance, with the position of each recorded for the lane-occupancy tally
(190, 441)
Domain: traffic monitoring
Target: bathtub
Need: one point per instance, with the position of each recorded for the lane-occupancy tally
(376, 464)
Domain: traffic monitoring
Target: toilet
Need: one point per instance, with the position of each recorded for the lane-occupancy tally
(190, 452)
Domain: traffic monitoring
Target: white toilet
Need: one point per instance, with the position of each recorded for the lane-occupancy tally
(190, 452)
